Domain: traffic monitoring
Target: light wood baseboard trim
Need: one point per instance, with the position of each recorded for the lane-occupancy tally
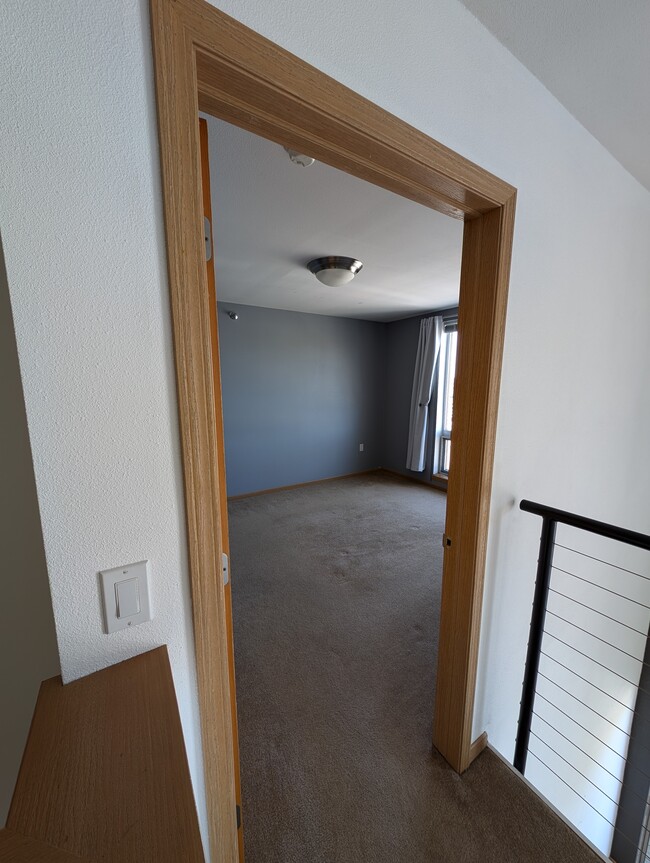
(478, 746)
(234, 497)
(441, 487)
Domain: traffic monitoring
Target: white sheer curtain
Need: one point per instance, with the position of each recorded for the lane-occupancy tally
(425, 365)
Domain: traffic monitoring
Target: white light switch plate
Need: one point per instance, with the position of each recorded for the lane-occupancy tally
(125, 594)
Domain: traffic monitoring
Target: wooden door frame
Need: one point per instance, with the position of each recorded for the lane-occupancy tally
(205, 60)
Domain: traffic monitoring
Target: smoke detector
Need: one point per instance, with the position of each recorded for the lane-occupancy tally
(300, 158)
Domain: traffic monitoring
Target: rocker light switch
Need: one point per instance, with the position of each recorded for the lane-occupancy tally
(127, 598)
(125, 592)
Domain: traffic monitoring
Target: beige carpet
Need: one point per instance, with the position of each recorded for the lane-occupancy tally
(336, 591)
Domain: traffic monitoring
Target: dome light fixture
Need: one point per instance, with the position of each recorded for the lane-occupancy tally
(334, 270)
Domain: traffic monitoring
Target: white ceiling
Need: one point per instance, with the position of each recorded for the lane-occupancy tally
(271, 217)
(594, 56)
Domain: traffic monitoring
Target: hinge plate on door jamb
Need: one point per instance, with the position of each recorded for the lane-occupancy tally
(225, 567)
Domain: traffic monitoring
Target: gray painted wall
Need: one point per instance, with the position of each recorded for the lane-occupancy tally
(401, 348)
(28, 650)
(300, 393)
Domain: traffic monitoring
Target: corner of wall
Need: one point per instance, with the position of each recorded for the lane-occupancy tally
(28, 649)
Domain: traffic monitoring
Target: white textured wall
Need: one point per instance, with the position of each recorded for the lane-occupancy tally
(81, 214)
(82, 225)
(28, 651)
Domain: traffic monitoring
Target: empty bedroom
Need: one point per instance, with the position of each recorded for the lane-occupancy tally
(337, 322)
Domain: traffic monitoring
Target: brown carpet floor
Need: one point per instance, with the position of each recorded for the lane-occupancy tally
(336, 592)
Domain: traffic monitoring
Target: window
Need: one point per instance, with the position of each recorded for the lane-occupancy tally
(445, 404)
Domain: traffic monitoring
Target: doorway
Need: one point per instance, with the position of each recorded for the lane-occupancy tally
(204, 59)
(335, 564)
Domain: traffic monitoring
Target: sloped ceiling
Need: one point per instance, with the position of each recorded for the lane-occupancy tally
(272, 216)
(594, 56)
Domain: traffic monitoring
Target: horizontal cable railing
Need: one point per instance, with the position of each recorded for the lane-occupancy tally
(583, 735)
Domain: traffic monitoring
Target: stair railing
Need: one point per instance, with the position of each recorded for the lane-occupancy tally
(585, 706)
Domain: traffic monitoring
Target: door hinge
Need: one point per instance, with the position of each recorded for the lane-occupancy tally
(446, 541)
(238, 808)
(225, 566)
(207, 236)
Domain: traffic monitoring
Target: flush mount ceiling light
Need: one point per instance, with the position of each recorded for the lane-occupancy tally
(334, 270)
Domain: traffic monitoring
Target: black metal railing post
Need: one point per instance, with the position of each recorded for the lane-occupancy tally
(585, 579)
(544, 566)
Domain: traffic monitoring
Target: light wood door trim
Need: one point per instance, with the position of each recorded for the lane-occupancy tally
(221, 455)
(203, 58)
(481, 323)
(177, 100)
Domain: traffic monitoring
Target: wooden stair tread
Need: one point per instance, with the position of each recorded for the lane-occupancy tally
(20, 849)
(105, 774)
